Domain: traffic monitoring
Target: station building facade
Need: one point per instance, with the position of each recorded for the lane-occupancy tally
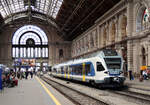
(126, 28)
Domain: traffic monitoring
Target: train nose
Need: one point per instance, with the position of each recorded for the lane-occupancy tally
(119, 79)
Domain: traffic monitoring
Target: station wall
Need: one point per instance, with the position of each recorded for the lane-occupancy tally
(126, 28)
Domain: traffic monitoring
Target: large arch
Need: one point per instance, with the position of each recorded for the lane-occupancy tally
(29, 28)
(28, 42)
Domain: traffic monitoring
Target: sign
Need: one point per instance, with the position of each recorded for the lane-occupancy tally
(143, 67)
(24, 62)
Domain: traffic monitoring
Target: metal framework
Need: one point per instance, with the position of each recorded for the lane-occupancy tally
(48, 7)
(76, 16)
(70, 17)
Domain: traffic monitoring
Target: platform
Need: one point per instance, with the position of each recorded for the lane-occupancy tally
(32, 92)
(145, 84)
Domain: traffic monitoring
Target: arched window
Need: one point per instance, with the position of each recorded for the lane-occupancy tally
(145, 18)
(29, 42)
(142, 19)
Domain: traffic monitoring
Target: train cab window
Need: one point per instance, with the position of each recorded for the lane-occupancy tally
(100, 66)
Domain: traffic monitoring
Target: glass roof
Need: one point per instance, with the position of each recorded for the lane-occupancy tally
(49, 7)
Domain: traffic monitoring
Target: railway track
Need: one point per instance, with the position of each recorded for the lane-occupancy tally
(138, 88)
(75, 96)
(135, 96)
(142, 99)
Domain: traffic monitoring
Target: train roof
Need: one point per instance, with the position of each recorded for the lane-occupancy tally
(97, 55)
(76, 61)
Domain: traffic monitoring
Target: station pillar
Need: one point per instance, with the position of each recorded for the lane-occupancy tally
(0, 79)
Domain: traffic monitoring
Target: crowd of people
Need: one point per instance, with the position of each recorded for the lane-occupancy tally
(10, 77)
(24, 73)
(144, 74)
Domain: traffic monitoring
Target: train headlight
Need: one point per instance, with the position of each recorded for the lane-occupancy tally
(106, 72)
(120, 72)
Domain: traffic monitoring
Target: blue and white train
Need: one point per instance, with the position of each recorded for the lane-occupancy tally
(103, 69)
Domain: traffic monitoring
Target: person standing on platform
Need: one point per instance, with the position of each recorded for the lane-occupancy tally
(31, 72)
(141, 72)
(26, 73)
(18, 74)
(130, 75)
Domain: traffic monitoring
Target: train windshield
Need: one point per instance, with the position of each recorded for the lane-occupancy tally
(100, 66)
(113, 63)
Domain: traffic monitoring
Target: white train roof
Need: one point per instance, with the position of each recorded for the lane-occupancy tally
(95, 56)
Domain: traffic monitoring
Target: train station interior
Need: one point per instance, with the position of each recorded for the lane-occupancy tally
(48, 32)
(38, 34)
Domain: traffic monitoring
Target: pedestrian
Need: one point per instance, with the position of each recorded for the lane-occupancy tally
(142, 68)
(18, 74)
(130, 75)
(31, 72)
(26, 74)
(145, 76)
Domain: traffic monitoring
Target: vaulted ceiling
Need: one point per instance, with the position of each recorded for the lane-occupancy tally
(73, 17)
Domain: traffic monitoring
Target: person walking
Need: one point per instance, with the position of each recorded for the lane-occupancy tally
(130, 75)
(31, 72)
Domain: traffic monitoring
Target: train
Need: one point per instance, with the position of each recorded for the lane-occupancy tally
(103, 69)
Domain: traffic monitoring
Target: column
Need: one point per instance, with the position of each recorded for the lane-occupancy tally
(98, 36)
(130, 21)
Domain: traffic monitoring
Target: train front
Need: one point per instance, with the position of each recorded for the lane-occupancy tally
(114, 64)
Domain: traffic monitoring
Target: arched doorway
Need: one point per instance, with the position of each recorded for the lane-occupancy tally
(30, 48)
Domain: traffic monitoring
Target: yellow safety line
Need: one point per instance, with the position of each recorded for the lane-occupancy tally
(48, 92)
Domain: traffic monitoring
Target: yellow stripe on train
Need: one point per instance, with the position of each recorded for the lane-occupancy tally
(68, 73)
(83, 72)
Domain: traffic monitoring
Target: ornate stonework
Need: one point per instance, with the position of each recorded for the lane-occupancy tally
(130, 27)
